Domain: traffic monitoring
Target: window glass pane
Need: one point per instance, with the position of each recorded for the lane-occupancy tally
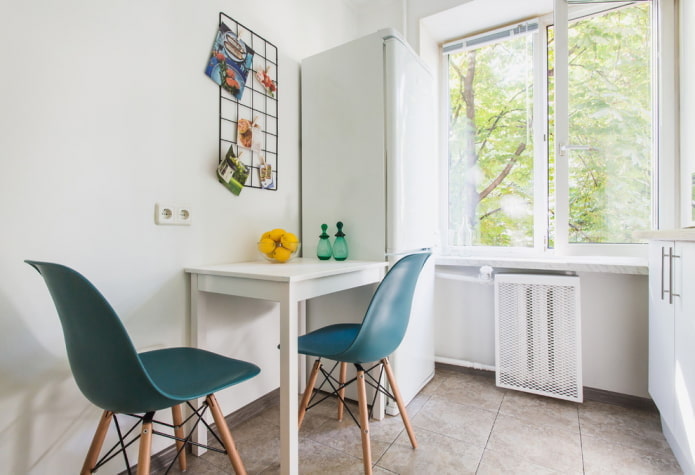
(550, 131)
(610, 120)
(491, 145)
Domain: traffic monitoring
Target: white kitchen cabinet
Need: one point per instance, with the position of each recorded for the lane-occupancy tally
(672, 343)
(661, 327)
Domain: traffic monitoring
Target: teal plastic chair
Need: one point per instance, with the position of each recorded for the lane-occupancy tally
(116, 378)
(373, 340)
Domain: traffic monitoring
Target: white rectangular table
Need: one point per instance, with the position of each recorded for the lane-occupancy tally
(290, 284)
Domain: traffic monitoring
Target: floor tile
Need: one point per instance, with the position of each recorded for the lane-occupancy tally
(500, 463)
(470, 424)
(315, 458)
(257, 441)
(637, 428)
(472, 390)
(541, 410)
(198, 466)
(417, 403)
(345, 436)
(602, 457)
(436, 453)
(434, 383)
(550, 447)
(324, 412)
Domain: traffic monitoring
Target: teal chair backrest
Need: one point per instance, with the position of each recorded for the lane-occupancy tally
(386, 320)
(102, 357)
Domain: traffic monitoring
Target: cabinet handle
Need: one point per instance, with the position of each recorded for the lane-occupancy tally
(671, 257)
(663, 255)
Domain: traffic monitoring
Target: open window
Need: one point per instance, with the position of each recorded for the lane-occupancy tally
(551, 132)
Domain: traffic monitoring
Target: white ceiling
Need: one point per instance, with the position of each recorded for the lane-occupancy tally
(480, 15)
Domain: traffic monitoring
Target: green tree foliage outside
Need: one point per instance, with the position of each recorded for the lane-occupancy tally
(611, 111)
(491, 146)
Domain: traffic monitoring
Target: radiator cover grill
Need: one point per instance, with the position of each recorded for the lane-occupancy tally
(538, 334)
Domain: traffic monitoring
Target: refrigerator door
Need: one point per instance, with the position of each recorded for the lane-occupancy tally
(343, 167)
(411, 170)
(413, 361)
(411, 202)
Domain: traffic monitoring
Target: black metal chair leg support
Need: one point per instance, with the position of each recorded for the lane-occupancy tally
(120, 441)
(188, 440)
(120, 445)
(327, 378)
(180, 449)
(200, 419)
(335, 392)
(370, 380)
(378, 387)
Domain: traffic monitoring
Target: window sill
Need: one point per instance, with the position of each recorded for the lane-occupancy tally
(683, 234)
(605, 264)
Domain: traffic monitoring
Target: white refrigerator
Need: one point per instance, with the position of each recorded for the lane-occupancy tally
(369, 160)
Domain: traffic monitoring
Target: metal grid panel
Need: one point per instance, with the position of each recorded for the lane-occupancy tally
(256, 105)
(538, 335)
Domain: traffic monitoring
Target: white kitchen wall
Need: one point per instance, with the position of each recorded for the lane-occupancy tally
(373, 15)
(104, 111)
(417, 10)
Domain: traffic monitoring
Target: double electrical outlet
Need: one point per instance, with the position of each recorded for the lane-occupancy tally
(172, 214)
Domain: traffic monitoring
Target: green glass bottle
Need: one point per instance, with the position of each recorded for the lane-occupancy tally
(340, 247)
(324, 250)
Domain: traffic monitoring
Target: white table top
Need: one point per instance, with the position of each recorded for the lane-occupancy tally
(296, 270)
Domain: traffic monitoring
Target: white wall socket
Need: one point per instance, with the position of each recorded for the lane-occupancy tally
(163, 214)
(172, 214)
(182, 215)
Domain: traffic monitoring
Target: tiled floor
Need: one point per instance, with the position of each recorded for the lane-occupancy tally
(465, 424)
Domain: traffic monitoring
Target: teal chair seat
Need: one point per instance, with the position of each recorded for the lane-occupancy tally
(113, 376)
(206, 373)
(329, 342)
(371, 341)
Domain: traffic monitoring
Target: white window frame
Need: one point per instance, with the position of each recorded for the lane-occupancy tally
(540, 159)
(665, 198)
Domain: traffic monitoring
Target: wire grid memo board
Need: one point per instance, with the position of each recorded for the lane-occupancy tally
(256, 104)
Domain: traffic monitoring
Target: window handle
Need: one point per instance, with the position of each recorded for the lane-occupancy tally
(566, 147)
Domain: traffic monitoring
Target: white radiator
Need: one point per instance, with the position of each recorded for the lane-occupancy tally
(538, 334)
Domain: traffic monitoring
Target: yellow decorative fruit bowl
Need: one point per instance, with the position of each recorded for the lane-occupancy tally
(278, 245)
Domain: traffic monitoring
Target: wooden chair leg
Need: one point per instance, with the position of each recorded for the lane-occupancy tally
(177, 417)
(145, 450)
(399, 402)
(97, 441)
(341, 392)
(225, 435)
(308, 392)
(364, 422)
